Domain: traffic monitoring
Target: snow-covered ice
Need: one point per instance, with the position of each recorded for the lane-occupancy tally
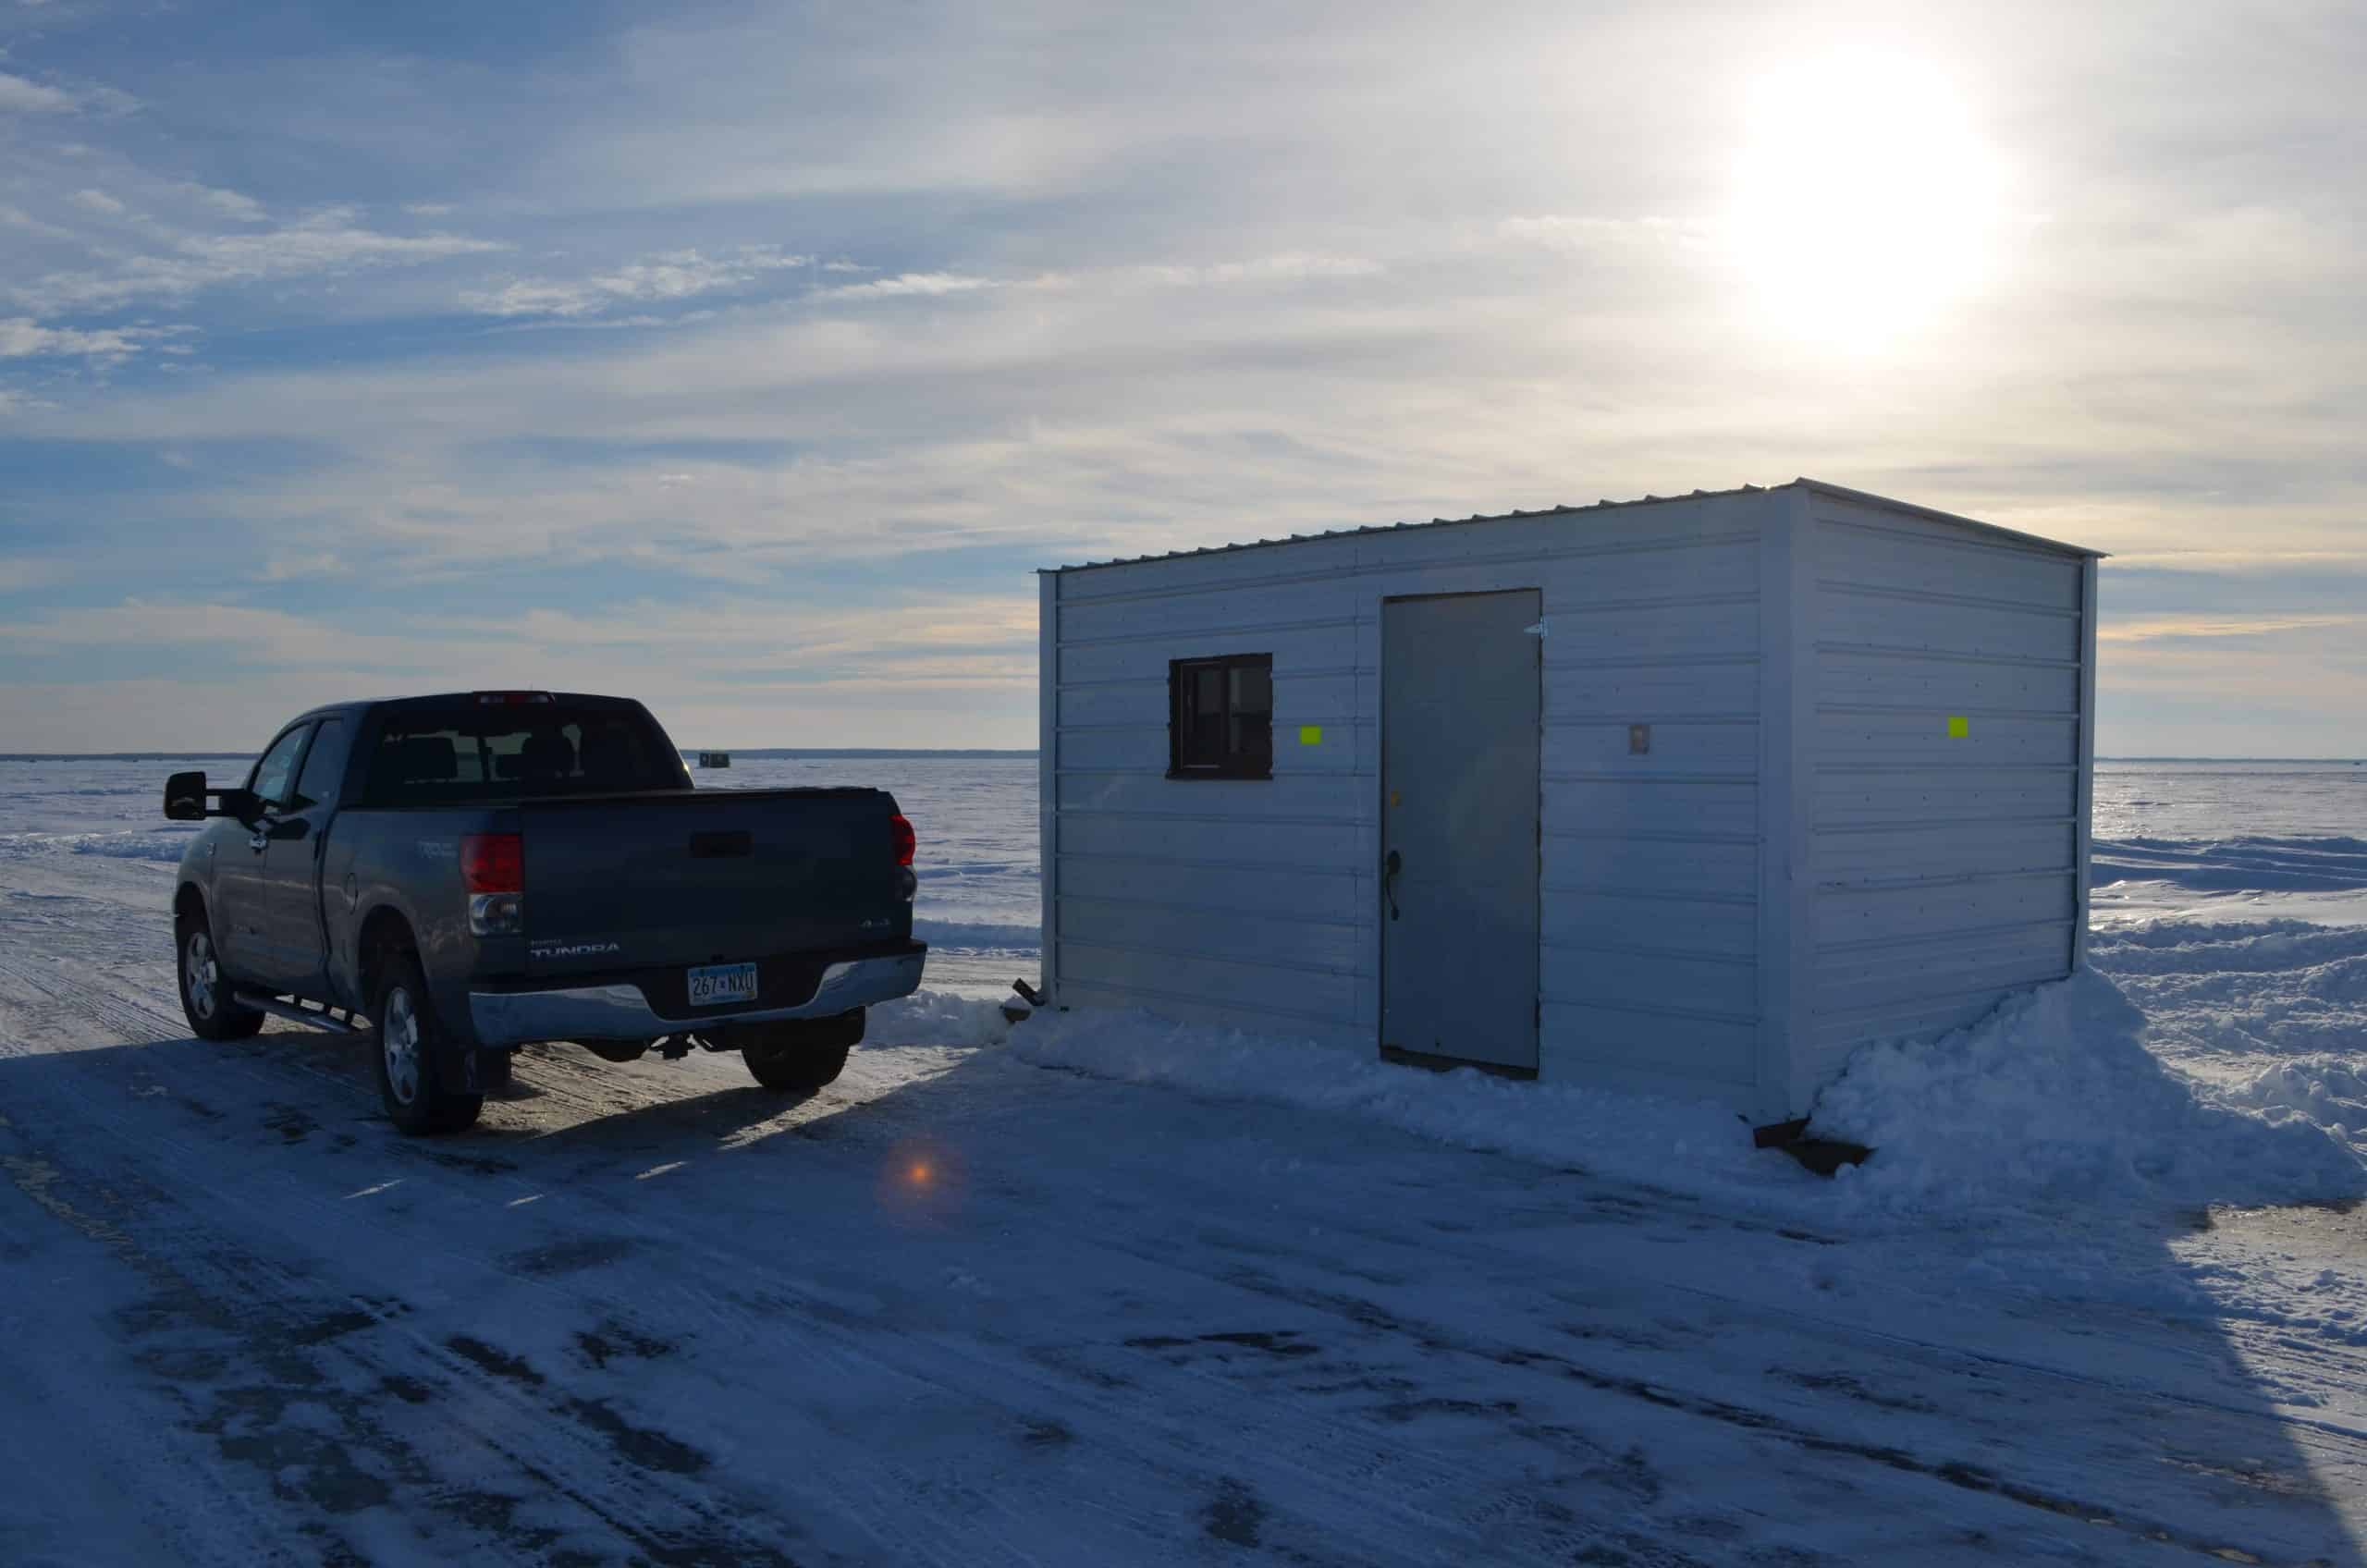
(1099, 1289)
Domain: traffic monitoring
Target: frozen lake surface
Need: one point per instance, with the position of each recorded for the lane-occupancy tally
(1099, 1290)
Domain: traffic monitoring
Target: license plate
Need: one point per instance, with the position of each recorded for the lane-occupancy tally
(715, 983)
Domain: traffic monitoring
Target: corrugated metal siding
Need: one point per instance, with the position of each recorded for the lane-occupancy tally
(1944, 870)
(1256, 903)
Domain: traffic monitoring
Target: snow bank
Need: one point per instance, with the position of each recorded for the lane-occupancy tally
(977, 933)
(937, 1018)
(2055, 1099)
(2241, 1081)
(2330, 1092)
(1689, 1146)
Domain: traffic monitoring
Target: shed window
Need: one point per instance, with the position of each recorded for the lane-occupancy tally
(1220, 717)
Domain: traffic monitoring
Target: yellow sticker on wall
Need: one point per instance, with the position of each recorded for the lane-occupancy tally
(1310, 734)
(1958, 727)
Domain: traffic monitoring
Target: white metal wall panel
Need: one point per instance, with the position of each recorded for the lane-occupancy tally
(1804, 858)
(1944, 868)
(1256, 903)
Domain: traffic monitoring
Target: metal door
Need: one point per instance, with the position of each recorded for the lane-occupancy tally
(1460, 694)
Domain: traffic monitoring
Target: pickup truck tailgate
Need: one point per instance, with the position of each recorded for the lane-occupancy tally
(708, 875)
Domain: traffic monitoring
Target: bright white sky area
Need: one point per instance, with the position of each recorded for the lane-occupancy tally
(747, 358)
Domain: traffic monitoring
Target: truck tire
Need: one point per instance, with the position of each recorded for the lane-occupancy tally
(205, 989)
(408, 1048)
(800, 1056)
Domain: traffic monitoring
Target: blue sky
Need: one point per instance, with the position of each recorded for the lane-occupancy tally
(749, 357)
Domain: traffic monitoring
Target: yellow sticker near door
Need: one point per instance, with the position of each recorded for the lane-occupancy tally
(1958, 727)
(1310, 734)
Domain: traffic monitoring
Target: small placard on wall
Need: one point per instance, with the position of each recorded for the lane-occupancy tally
(1310, 734)
(1959, 727)
(1640, 739)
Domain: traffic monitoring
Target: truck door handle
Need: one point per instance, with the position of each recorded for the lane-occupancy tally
(1389, 870)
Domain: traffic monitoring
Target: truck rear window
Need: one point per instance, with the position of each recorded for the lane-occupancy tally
(450, 751)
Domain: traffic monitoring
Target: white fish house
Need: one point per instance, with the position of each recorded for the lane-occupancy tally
(1692, 796)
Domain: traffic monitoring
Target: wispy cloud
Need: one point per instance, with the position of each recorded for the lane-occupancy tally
(288, 568)
(231, 203)
(19, 96)
(19, 574)
(672, 275)
(1291, 267)
(922, 284)
(324, 243)
(2182, 627)
(21, 337)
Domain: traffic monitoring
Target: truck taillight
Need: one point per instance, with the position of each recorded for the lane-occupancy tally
(906, 840)
(493, 863)
(493, 868)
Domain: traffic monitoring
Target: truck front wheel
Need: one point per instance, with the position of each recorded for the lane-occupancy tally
(801, 1055)
(205, 989)
(411, 1057)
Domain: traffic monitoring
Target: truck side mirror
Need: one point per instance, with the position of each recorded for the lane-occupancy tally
(185, 794)
(185, 797)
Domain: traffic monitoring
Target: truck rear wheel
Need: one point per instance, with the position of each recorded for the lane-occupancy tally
(409, 1056)
(801, 1056)
(205, 989)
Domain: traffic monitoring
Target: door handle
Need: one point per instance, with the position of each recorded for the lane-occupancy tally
(260, 842)
(1389, 870)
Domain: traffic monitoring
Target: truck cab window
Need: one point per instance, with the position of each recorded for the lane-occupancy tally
(272, 775)
(324, 767)
(431, 751)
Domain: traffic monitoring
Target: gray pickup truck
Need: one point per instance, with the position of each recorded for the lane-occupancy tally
(476, 871)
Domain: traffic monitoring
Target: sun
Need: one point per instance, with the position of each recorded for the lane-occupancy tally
(1866, 200)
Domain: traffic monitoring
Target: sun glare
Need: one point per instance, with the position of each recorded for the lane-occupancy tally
(1866, 200)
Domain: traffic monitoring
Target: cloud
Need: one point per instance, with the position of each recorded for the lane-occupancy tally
(925, 283)
(19, 574)
(286, 569)
(972, 658)
(229, 201)
(324, 243)
(1291, 267)
(98, 202)
(2182, 627)
(672, 275)
(21, 337)
(19, 96)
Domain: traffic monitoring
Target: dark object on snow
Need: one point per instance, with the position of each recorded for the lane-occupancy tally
(1024, 1007)
(1823, 1156)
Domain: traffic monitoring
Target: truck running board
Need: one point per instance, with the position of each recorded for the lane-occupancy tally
(296, 1012)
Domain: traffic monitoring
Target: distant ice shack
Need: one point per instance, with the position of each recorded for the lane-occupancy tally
(1688, 795)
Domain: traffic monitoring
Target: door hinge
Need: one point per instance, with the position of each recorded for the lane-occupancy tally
(1537, 631)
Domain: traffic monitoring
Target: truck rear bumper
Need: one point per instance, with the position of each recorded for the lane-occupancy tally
(620, 1011)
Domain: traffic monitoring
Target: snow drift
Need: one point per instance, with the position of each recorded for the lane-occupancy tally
(2055, 1098)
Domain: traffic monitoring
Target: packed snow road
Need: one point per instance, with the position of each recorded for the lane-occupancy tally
(964, 1309)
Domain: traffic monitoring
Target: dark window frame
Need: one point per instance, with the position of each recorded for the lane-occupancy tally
(1184, 720)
